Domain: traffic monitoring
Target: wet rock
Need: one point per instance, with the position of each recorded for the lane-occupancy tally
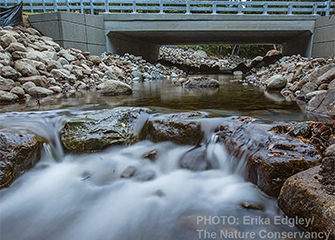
(9, 72)
(276, 82)
(304, 196)
(7, 97)
(39, 92)
(113, 87)
(323, 103)
(18, 91)
(195, 160)
(152, 155)
(180, 128)
(97, 130)
(19, 151)
(201, 82)
(327, 77)
(271, 157)
(128, 172)
(146, 176)
(302, 129)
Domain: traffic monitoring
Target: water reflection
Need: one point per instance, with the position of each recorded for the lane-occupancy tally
(232, 98)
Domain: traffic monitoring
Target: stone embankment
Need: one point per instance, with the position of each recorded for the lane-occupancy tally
(32, 65)
(194, 61)
(311, 82)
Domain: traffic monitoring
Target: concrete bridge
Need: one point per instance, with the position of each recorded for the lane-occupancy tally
(141, 26)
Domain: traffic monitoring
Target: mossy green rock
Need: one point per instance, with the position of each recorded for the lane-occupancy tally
(99, 129)
(19, 151)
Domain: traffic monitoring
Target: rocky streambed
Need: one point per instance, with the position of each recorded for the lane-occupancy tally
(112, 155)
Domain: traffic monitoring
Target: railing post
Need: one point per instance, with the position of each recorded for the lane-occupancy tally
(67, 5)
(43, 4)
(239, 8)
(161, 9)
(265, 8)
(290, 9)
(315, 8)
(134, 6)
(214, 8)
(81, 7)
(55, 6)
(92, 7)
(31, 6)
(188, 7)
(328, 8)
(106, 6)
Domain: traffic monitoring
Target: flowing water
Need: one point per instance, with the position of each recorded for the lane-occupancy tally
(82, 196)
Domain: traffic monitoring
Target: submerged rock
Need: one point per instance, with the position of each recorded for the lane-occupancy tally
(201, 82)
(19, 151)
(128, 172)
(271, 157)
(195, 160)
(180, 128)
(99, 129)
(304, 196)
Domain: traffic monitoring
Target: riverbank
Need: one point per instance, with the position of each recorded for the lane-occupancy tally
(34, 66)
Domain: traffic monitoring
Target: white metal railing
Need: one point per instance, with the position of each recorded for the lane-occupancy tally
(174, 6)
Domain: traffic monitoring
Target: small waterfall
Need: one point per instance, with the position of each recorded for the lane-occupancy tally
(84, 197)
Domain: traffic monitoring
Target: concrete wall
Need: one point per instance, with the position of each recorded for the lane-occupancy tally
(324, 37)
(85, 32)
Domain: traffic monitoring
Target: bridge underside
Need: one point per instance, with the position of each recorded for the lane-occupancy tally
(143, 34)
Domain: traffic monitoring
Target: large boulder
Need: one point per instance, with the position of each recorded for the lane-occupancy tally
(180, 128)
(271, 157)
(99, 129)
(276, 82)
(303, 196)
(113, 87)
(323, 103)
(19, 151)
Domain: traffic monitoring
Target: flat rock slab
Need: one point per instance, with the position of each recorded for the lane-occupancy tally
(304, 196)
(271, 157)
(19, 151)
(99, 129)
(180, 128)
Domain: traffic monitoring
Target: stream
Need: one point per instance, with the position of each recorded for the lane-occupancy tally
(81, 196)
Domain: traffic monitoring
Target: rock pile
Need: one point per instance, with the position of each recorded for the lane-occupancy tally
(310, 80)
(198, 58)
(32, 65)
